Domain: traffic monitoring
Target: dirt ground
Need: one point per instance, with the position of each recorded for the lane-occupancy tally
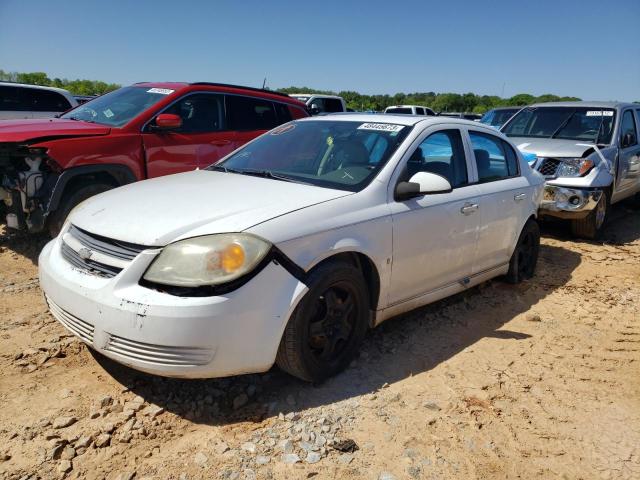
(539, 380)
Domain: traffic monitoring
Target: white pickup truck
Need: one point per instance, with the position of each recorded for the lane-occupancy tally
(589, 154)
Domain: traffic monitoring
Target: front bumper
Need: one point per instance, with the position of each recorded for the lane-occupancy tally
(567, 202)
(158, 333)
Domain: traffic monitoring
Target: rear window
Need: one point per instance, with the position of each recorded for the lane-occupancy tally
(401, 110)
(247, 113)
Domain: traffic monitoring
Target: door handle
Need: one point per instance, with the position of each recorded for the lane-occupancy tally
(220, 143)
(469, 208)
(519, 197)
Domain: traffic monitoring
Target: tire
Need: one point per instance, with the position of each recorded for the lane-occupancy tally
(71, 200)
(525, 256)
(328, 325)
(592, 226)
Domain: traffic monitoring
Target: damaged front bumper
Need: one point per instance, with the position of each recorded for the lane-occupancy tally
(567, 202)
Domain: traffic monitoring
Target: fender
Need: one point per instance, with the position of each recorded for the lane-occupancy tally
(121, 173)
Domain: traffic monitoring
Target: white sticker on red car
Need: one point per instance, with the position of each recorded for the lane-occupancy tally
(108, 113)
(381, 127)
(161, 91)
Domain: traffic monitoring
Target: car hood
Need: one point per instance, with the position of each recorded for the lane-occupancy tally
(551, 147)
(159, 211)
(25, 130)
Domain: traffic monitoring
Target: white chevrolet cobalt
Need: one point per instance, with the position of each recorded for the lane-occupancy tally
(289, 249)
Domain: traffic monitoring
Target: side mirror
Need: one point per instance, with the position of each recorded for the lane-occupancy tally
(422, 183)
(314, 109)
(628, 139)
(168, 121)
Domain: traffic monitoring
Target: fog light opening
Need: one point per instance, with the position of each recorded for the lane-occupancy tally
(574, 200)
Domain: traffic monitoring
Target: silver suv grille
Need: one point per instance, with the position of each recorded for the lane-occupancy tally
(549, 166)
(96, 254)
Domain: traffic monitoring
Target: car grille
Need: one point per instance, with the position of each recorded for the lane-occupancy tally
(549, 166)
(158, 354)
(114, 253)
(79, 327)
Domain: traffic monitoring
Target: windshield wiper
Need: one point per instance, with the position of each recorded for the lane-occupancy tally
(268, 174)
(80, 120)
(220, 168)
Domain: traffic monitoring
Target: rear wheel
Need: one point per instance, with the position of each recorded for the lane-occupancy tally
(592, 225)
(70, 201)
(525, 256)
(327, 327)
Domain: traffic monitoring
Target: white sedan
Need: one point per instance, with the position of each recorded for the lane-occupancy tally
(293, 246)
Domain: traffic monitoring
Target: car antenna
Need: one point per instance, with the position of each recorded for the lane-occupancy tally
(264, 83)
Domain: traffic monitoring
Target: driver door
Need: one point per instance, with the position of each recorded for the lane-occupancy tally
(435, 236)
(200, 141)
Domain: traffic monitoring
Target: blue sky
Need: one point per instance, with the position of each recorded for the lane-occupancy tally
(585, 48)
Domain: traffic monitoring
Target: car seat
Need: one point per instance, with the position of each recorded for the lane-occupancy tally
(483, 162)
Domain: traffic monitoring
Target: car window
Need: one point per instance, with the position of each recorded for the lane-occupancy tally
(332, 105)
(628, 126)
(248, 113)
(283, 112)
(401, 110)
(419, 111)
(346, 155)
(441, 153)
(45, 100)
(494, 158)
(11, 99)
(200, 113)
(318, 103)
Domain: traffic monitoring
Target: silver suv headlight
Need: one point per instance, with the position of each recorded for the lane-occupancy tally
(207, 260)
(574, 167)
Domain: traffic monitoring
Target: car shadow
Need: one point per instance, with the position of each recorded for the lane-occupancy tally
(407, 345)
(26, 244)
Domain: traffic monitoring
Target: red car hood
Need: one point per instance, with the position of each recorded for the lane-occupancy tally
(24, 130)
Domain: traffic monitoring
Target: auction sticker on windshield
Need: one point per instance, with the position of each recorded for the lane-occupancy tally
(161, 91)
(599, 113)
(382, 127)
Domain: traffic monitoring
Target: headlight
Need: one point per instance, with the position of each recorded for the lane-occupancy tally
(209, 260)
(574, 167)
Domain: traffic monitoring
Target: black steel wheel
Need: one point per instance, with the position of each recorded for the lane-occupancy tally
(327, 327)
(525, 256)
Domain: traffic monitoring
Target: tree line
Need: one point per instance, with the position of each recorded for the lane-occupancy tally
(440, 102)
(76, 87)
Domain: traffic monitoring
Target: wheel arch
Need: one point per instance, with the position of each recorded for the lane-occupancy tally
(363, 262)
(113, 174)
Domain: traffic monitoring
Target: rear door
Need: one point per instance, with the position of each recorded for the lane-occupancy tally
(434, 236)
(503, 199)
(628, 174)
(249, 117)
(202, 139)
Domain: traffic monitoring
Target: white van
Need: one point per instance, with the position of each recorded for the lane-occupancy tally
(410, 110)
(18, 100)
(317, 103)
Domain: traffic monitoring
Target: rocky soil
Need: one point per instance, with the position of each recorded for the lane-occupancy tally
(539, 380)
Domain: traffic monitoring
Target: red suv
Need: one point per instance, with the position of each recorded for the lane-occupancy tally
(142, 131)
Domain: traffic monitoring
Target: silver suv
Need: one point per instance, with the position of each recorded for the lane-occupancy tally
(589, 154)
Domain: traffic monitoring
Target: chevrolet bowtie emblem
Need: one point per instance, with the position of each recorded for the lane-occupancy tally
(85, 253)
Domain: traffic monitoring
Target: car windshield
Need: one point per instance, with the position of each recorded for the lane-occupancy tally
(117, 108)
(497, 118)
(571, 123)
(403, 110)
(344, 155)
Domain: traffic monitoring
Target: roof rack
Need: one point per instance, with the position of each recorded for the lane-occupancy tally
(242, 87)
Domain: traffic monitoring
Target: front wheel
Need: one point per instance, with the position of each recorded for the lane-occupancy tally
(592, 225)
(525, 256)
(328, 325)
(71, 200)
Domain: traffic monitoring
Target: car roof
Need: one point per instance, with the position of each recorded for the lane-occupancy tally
(408, 120)
(314, 95)
(40, 87)
(584, 104)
